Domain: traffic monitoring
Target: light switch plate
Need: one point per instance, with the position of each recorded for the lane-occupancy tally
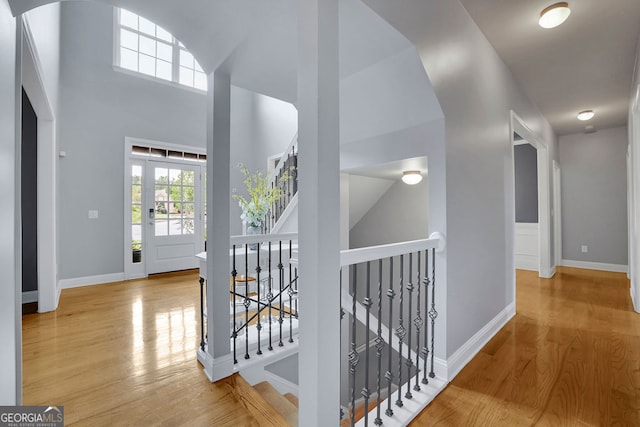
(585, 249)
(93, 214)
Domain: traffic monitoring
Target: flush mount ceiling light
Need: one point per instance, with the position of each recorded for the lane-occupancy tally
(554, 15)
(586, 115)
(411, 177)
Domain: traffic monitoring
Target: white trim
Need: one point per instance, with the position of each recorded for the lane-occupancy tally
(636, 307)
(150, 78)
(33, 83)
(222, 367)
(206, 361)
(468, 350)
(601, 266)
(29, 296)
(357, 256)
(90, 280)
(557, 213)
(544, 202)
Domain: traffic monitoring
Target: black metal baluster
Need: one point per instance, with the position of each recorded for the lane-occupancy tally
(409, 362)
(418, 322)
(342, 313)
(433, 313)
(367, 304)
(290, 295)
(400, 332)
(389, 376)
(425, 349)
(281, 282)
(259, 324)
(379, 344)
(234, 273)
(247, 301)
(201, 313)
(270, 298)
(353, 354)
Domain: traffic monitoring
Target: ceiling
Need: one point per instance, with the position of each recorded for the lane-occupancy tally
(585, 63)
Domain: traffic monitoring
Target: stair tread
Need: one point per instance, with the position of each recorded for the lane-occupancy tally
(280, 403)
(292, 398)
(262, 410)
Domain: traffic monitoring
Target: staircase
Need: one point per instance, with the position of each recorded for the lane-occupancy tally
(263, 402)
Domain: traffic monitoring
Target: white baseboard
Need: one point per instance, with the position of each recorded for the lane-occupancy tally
(468, 350)
(616, 268)
(549, 273)
(636, 307)
(29, 296)
(90, 280)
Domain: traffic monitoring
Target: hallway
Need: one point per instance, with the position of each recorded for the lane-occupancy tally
(570, 356)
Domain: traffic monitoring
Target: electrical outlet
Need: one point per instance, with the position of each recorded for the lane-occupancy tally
(585, 249)
(93, 214)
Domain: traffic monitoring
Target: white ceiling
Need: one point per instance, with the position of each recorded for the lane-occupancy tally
(586, 63)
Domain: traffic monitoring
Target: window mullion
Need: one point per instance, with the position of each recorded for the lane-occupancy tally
(176, 60)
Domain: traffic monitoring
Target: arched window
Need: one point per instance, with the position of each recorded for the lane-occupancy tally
(149, 49)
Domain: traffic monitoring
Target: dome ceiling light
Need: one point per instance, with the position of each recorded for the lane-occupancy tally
(554, 15)
(411, 177)
(586, 115)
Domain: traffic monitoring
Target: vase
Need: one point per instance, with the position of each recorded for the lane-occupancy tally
(253, 230)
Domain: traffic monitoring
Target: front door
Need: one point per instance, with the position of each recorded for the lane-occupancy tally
(173, 216)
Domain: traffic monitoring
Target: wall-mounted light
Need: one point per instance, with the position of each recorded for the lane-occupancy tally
(586, 115)
(554, 15)
(411, 177)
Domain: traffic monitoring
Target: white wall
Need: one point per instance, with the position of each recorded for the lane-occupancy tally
(594, 196)
(9, 316)
(476, 91)
(398, 216)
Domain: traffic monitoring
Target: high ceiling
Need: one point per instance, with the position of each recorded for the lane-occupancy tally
(586, 63)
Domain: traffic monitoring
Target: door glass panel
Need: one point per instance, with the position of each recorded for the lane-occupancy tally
(136, 214)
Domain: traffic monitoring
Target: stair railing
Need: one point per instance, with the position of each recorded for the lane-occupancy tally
(287, 164)
(263, 288)
(389, 298)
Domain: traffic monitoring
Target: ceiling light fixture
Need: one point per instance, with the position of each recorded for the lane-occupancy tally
(411, 177)
(586, 115)
(554, 15)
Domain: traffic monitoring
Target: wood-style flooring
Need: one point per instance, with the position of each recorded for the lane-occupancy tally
(570, 357)
(124, 354)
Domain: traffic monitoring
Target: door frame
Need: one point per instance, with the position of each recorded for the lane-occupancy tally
(140, 270)
(546, 269)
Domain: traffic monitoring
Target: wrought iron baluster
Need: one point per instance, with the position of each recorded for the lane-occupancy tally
(379, 345)
(270, 299)
(354, 357)
(367, 304)
(201, 313)
(400, 332)
(425, 349)
(281, 283)
(433, 313)
(247, 301)
(290, 291)
(418, 322)
(234, 273)
(389, 376)
(259, 324)
(409, 362)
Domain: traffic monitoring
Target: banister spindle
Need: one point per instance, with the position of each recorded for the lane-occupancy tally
(379, 345)
(290, 292)
(259, 324)
(409, 362)
(433, 313)
(281, 285)
(247, 301)
(425, 349)
(400, 332)
(367, 304)
(418, 322)
(234, 273)
(389, 375)
(353, 354)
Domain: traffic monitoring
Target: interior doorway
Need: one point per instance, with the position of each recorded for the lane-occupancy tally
(545, 263)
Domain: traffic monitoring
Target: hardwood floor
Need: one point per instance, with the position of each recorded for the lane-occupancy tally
(124, 354)
(571, 356)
